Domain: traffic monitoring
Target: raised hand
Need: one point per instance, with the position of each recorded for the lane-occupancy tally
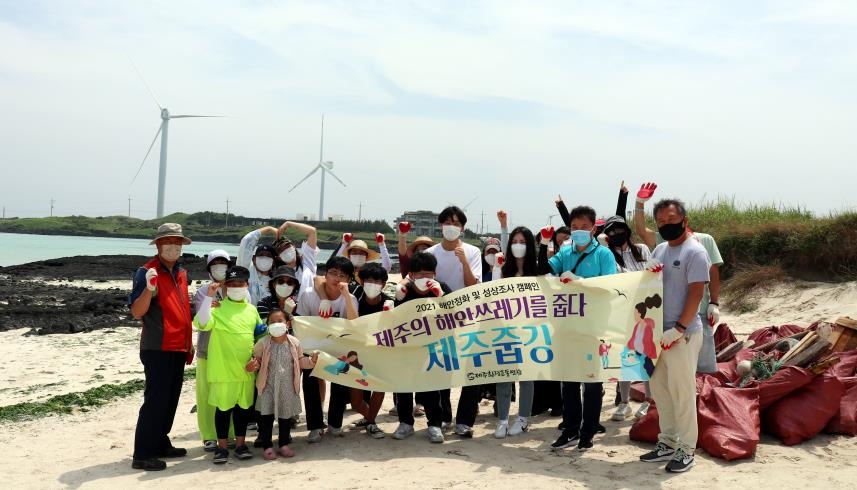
(404, 227)
(379, 238)
(623, 188)
(546, 234)
(647, 190)
(152, 279)
(212, 289)
(347, 237)
(503, 218)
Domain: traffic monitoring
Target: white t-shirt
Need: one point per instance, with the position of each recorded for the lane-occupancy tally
(449, 268)
(685, 264)
(308, 303)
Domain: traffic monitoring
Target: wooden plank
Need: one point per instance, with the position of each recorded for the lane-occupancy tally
(810, 354)
(770, 345)
(806, 341)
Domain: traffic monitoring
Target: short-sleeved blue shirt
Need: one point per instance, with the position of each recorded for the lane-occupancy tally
(599, 262)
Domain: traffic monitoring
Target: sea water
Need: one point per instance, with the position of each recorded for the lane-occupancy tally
(17, 248)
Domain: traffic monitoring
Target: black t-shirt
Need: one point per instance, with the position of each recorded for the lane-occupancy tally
(414, 294)
(364, 308)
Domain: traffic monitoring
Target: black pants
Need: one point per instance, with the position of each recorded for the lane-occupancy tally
(547, 395)
(240, 418)
(431, 402)
(468, 405)
(164, 372)
(266, 431)
(340, 397)
(312, 401)
(581, 418)
(446, 405)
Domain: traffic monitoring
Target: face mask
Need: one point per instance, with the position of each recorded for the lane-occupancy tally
(284, 290)
(519, 250)
(491, 259)
(277, 329)
(451, 232)
(236, 294)
(171, 253)
(218, 272)
(264, 264)
(671, 231)
(581, 237)
(358, 260)
(288, 255)
(617, 239)
(422, 283)
(372, 290)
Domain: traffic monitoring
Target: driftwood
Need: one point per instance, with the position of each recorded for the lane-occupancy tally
(728, 353)
(803, 344)
(810, 354)
(770, 345)
(819, 367)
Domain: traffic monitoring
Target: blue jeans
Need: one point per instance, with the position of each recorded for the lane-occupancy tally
(504, 399)
(707, 362)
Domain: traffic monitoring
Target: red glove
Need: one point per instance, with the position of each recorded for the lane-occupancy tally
(646, 192)
(401, 291)
(379, 238)
(388, 305)
(434, 287)
(499, 259)
(404, 227)
(546, 234)
(347, 237)
(325, 309)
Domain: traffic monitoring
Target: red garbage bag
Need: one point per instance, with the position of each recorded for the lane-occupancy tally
(638, 391)
(801, 415)
(786, 380)
(723, 337)
(728, 421)
(845, 422)
(847, 365)
(647, 427)
(768, 334)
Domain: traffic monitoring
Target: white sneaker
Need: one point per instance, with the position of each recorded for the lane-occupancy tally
(314, 436)
(502, 429)
(519, 425)
(336, 431)
(623, 411)
(435, 434)
(642, 411)
(403, 431)
(447, 427)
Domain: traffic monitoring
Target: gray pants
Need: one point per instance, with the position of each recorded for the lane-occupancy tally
(707, 357)
(625, 391)
(504, 399)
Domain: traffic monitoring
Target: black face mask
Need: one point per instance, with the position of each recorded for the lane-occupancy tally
(671, 231)
(617, 239)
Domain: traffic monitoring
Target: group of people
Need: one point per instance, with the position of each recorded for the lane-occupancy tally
(252, 370)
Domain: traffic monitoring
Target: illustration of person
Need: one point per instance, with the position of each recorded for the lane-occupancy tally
(344, 363)
(642, 341)
(603, 352)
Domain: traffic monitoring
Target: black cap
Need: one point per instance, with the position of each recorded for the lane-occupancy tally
(284, 271)
(615, 221)
(265, 248)
(237, 273)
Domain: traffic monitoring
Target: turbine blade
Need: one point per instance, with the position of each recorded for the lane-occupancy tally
(146, 84)
(179, 116)
(307, 176)
(160, 126)
(335, 177)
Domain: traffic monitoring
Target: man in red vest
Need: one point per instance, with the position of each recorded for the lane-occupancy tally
(160, 299)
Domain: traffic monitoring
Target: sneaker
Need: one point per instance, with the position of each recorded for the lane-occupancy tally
(336, 431)
(173, 452)
(375, 431)
(151, 464)
(584, 444)
(209, 446)
(435, 434)
(252, 426)
(447, 427)
(403, 431)
(519, 425)
(360, 424)
(243, 452)
(561, 426)
(600, 429)
(662, 452)
(502, 429)
(220, 456)
(622, 412)
(563, 441)
(680, 462)
(314, 436)
(462, 430)
(642, 411)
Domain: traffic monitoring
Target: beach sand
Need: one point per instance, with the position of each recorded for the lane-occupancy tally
(92, 449)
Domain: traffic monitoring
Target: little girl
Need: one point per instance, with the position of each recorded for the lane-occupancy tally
(279, 359)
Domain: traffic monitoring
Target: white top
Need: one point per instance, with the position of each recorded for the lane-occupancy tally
(308, 303)
(449, 268)
(258, 283)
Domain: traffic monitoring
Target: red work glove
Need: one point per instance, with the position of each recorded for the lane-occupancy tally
(647, 190)
(379, 238)
(404, 227)
(347, 237)
(325, 308)
(434, 287)
(546, 233)
(499, 259)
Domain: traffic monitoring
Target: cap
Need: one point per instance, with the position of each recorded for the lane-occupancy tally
(283, 271)
(217, 254)
(265, 248)
(237, 273)
(361, 245)
(614, 221)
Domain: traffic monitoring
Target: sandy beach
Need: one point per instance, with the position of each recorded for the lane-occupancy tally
(92, 449)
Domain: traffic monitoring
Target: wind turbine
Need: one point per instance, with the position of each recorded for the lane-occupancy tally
(163, 131)
(326, 167)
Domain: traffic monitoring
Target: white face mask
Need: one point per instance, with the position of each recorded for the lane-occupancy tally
(218, 272)
(277, 329)
(358, 260)
(372, 290)
(264, 264)
(236, 294)
(491, 259)
(288, 255)
(171, 253)
(284, 290)
(421, 283)
(451, 232)
(519, 250)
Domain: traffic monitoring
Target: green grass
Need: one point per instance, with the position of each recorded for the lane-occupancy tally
(70, 402)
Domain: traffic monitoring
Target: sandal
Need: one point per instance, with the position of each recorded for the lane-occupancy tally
(269, 454)
(287, 452)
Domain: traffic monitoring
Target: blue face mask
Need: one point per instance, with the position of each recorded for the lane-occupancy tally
(581, 237)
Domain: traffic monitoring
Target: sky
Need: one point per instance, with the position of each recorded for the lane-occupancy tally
(489, 105)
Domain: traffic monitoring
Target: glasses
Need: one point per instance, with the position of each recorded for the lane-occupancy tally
(337, 274)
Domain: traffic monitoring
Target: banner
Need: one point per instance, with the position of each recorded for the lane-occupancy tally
(532, 328)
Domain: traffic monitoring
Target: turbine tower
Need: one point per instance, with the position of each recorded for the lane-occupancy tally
(163, 131)
(326, 167)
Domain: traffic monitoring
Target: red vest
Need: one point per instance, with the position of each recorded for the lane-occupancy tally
(167, 324)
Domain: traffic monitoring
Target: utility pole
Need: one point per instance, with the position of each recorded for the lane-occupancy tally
(482, 228)
(360, 212)
(227, 212)
(52, 207)
(129, 206)
(4, 212)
